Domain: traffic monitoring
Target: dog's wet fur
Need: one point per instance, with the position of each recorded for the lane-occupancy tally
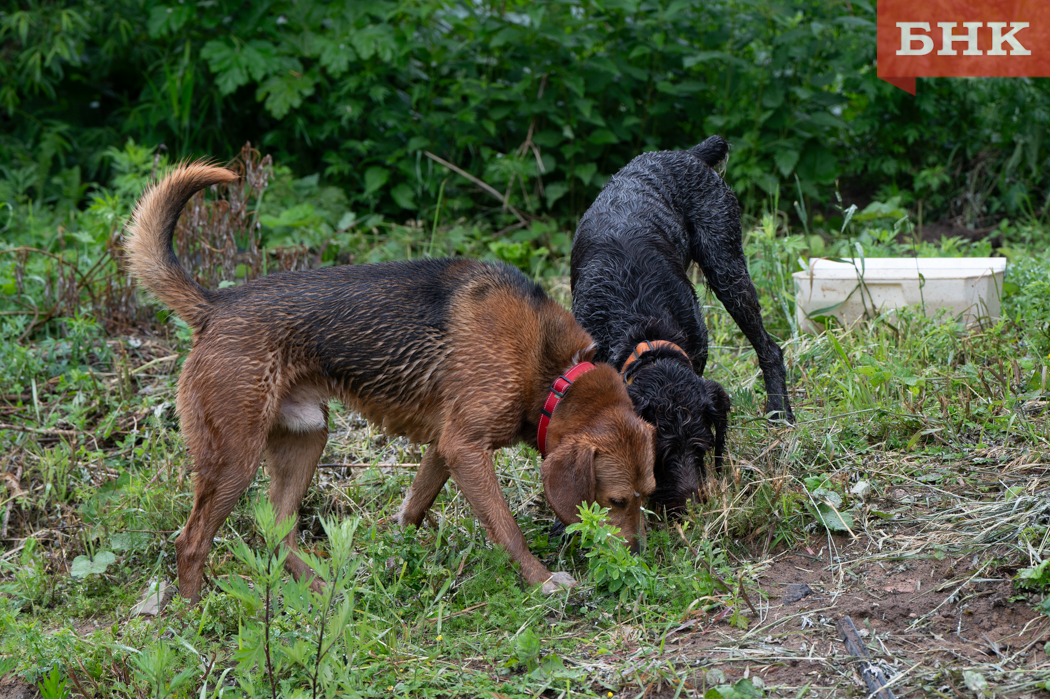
(630, 258)
(452, 353)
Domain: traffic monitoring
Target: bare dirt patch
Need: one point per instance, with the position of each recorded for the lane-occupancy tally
(924, 621)
(12, 687)
(928, 579)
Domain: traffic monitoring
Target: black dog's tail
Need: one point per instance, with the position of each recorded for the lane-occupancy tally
(712, 151)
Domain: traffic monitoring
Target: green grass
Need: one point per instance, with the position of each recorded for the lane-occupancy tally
(94, 465)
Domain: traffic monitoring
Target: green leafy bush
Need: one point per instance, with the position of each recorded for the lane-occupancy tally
(741, 689)
(610, 564)
(826, 504)
(1035, 577)
(540, 100)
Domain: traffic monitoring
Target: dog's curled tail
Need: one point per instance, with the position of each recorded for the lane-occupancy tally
(712, 151)
(151, 255)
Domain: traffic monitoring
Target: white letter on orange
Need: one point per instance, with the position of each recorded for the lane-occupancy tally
(908, 39)
(948, 38)
(998, 39)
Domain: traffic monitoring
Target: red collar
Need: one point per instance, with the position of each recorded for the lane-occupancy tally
(558, 389)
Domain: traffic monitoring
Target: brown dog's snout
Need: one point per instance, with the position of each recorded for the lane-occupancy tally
(631, 530)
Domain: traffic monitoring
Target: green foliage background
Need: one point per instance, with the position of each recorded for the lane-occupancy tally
(541, 99)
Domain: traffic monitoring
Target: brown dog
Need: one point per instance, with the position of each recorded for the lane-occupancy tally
(453, 353)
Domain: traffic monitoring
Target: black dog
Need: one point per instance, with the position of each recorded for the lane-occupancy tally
(632, 248)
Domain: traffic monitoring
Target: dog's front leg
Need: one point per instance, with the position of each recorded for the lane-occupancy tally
(472, 470)
(732, 285)
(430, 478)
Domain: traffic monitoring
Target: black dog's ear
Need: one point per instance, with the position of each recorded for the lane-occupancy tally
(718, 415)
(568, 479)
(650, 401)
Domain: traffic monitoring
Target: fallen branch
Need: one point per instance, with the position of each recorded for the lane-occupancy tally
(366, 464)
(487, 187)
(154, 362)
(41, 430)
(873, 676)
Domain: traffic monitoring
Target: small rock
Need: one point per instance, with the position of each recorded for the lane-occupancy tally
(154, 599)
(558, 582)
(796, 592)
(861, 490)
(714, 676)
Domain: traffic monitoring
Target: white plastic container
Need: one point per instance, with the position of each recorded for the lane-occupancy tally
(971, 287)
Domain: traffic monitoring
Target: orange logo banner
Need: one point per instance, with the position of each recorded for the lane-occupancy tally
(962, 38)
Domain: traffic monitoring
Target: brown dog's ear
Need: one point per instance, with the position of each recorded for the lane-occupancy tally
(586, 354)
(568, 479)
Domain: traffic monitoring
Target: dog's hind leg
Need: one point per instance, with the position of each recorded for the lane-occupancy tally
(721, 258)
(224, 472)
(291, 459)
(430, 478)
(225, 409)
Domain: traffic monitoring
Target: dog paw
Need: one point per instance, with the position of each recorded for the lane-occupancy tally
(776, 412)
(558, 581)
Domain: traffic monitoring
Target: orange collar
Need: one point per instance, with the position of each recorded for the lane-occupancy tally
(647, 346)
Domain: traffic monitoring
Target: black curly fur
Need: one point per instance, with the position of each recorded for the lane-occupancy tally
(632, 248)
